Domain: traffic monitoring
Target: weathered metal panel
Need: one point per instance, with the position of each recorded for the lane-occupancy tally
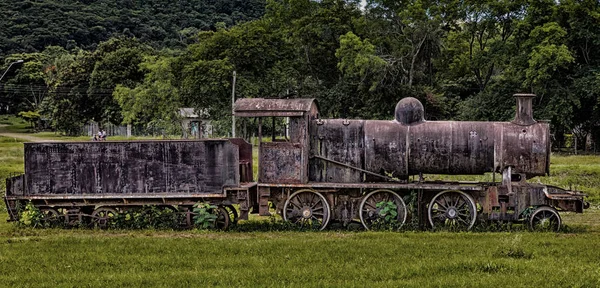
(281, 162)
(246, 159)
(472, 148)
(131, 167)
(386, 149)
(260, 107)
(341, 141)
(430, 148)
(525, 148)
(14, 185)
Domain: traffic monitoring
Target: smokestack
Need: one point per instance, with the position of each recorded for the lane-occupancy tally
(524, 111)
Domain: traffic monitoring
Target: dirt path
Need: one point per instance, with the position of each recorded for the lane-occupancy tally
(23, 136)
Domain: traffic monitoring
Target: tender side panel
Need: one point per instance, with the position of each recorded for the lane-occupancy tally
(131, 167)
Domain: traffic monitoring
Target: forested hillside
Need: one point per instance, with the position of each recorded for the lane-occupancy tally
(464, 60)
(30, 26)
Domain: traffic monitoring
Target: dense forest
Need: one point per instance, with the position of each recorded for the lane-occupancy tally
(138, 61)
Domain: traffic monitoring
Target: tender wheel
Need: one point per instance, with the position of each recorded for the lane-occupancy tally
(102, 215)
(545, 219)
(222, 222)
(71, 217)
(233, 214)
(452, 209)
(307, 208)
(51, 217)
(372, 216)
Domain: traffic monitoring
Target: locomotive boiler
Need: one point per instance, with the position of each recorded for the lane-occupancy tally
(321, 171)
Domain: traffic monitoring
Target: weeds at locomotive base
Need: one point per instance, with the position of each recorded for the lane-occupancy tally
(84, 257)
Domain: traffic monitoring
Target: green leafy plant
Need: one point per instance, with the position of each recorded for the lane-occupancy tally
(388, 216)
(31, 216)
(388, 211)
(147, 217)
(204, 215)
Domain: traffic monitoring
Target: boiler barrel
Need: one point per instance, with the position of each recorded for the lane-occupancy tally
(452, 147)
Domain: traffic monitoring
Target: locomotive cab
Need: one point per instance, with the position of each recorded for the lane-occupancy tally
(283, 161)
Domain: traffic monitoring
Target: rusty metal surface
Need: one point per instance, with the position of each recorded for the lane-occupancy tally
(245, 159)
(119, 196)
(281, 162)
(386, 150)
(260, 107)
(146, 167)
(451, 147)
(525, 148)
(341, 141)
(434, 186)
(15, 185)
(409, 111)
(430, 147)
(433, 147)
(524, 111)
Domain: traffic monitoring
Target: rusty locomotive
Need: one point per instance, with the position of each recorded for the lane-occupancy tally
(323, 170)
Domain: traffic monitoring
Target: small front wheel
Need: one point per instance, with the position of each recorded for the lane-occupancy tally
(545, 218)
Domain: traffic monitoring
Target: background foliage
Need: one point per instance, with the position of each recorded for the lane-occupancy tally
(96, 60)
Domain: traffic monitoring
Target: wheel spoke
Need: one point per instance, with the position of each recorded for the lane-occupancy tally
(441, 205)
(459, 202)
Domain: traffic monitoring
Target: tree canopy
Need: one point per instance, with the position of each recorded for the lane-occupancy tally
(462, 59)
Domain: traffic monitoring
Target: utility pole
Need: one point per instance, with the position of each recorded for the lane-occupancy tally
(3, 74)
(16, 62)
(232, 106)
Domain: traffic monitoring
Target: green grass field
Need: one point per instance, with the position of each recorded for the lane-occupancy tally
(69, 258)
(140, 258)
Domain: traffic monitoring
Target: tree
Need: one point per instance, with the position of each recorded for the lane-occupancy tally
(153, 100)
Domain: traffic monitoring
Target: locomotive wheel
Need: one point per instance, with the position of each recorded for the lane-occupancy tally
(222, 222)
(233, 215)
(371, 215)
(51, 217)
(307, 208)
(101, 216)
(452, 209)
(545, 219)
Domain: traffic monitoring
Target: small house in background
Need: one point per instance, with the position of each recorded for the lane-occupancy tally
(195, 125)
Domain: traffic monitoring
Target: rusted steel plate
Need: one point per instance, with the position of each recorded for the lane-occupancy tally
(525, 148)
(386, 150)
(472, 148)
(14, 185)
(260, 107)
(409, 186)
(245, 157)
(281, 162)
(341, 141)
(117, 196)
(144, 167)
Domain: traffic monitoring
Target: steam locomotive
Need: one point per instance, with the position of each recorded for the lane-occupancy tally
(324, 170)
